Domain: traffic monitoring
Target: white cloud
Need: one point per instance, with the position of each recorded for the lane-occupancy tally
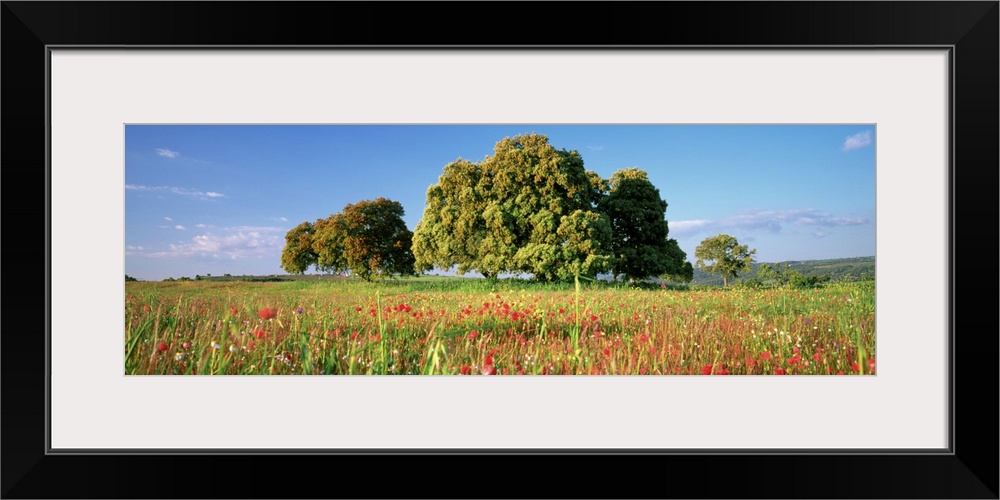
(682, 227)
(200, 225)
(858, 141)
(229, 245)
(764, 220)
(176, 190)
(595, 148)
(180, 227)
(166, 153)
(168, 219)
(133, 247)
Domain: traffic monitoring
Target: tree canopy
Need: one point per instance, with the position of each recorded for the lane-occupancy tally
(728, 257)
(527, 208)
(639, 229)
(368, 238)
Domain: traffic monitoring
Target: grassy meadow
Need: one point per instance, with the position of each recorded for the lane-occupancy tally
(464, 326)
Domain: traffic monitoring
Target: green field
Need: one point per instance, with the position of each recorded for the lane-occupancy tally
(455, 326)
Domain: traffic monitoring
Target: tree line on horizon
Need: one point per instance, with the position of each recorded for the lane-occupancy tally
(528, 208)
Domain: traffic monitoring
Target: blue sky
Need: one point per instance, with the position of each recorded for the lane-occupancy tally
(207, 199)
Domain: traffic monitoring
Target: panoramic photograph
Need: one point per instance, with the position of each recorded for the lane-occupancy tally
(535, 249)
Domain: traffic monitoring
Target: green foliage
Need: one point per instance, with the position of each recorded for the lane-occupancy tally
(728, 257)
(129, 278)
(368, 238)
(298, 253)
(640, 244)
(778, 275)
(527, 208)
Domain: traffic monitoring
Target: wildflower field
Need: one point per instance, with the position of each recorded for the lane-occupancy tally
(460, 326)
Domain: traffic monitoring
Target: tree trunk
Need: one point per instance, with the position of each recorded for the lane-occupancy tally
(725, 282)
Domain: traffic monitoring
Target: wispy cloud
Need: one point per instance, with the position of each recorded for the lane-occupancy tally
(233, 243)
(596, 148)
(688, 226)
(200, 225)
(166, 153)
(176, 190)
(180, 227)
(282, 219)
(858, 141)
(167, 219)
(770, 221)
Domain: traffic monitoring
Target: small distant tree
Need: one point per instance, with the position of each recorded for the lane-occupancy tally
(728, 258)
(129, 278)
(369, 239)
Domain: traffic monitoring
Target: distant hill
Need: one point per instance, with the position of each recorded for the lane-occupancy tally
(850, 269)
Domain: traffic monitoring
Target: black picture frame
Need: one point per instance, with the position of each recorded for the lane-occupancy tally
(970, 470)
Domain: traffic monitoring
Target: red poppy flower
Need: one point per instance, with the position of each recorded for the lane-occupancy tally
(607, 352)
(234, 311)
(489, 370)
(816, 357)
(706, 370)
(186, 345)
(473, 334)
(488, 360)
(251, 345)
(643, 338)
(856, 366)
(465, 369)
(779, 371)
(162, 347)
(259, 334)
(765, 355)
(871, 364)
(268, 313)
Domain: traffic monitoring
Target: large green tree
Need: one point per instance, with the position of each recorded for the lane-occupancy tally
(527, 208)
(639, 229)
(368, 238)
(728, 258)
